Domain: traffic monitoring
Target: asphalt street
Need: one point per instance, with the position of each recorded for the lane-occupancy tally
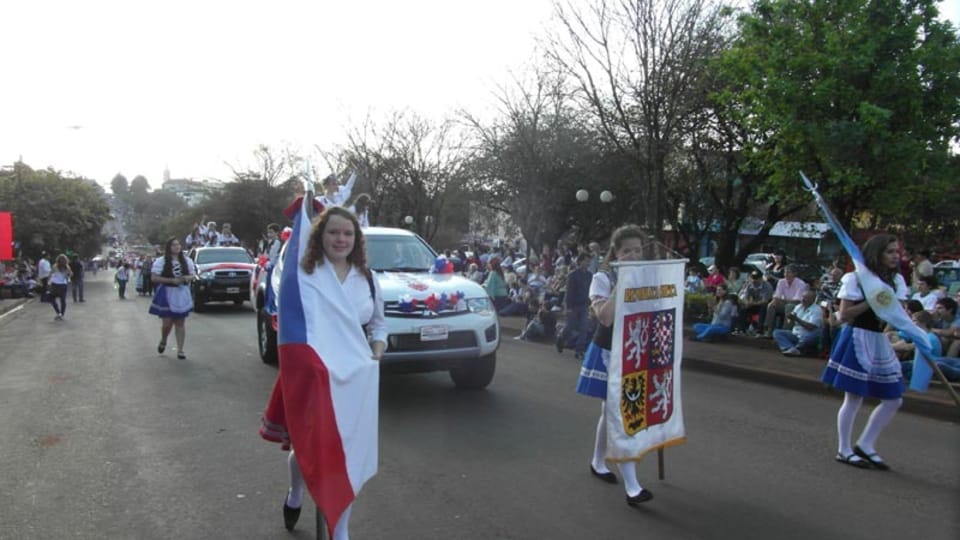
(101, 437)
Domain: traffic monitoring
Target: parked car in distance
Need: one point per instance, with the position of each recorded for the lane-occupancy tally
(223, 274)
(427, 329)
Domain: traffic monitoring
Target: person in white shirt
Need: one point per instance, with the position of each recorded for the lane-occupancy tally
(927, 293)
(59, 278)
(226, 237)
(43, 270)
(361, 209)
(335, 194)
(807, 320)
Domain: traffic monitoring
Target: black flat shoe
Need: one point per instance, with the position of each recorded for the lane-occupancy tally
(853, 460)
(875, 460)
(607, 477)
(642, 497)
(161, 347)
(290, 516)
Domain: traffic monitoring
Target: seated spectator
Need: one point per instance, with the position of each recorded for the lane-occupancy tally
(519, 296)
(807, 321)
(474, 273)
(776, 269)
(927, 293)
(829, 287)
(536, 281)
(946, 326)
(754, 298)
(723, 316)
(556, 289)
(693, 283)
(787, 295)
(542, 327)
(950, 367)
(903, 349)
(713, 279)
(735, 281)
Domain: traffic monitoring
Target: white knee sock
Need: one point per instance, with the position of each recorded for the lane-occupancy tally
(342, 531)
(879, 419)
(845, 418)
(295, 494)
(628, 470)
(600, 443)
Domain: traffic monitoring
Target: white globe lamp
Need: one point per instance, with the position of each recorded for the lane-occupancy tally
(408, 220)
(582, 195)
(606, 196)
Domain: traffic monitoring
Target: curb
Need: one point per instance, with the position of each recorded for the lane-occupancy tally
(912, 402)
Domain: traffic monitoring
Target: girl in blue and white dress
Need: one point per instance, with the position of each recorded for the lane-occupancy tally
(172, 302)
(626, 244)
(862, 362)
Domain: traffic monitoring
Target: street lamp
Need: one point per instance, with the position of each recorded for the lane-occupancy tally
(408, 220)
(584, 195)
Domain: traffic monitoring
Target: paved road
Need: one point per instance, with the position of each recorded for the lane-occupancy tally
(102, 438)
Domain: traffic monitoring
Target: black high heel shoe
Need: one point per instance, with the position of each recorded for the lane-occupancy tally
(290, 516)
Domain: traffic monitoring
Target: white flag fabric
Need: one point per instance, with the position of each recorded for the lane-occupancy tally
(644, 406)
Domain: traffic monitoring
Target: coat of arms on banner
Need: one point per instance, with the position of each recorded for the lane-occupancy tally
(647, 387)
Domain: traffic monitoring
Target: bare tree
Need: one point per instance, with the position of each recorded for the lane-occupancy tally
(638, 66)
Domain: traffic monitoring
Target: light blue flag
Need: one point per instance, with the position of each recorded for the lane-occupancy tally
(881, 296)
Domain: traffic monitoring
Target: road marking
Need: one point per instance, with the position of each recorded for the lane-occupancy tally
(12, 311)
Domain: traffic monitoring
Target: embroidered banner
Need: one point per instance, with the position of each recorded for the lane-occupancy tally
(644, 403)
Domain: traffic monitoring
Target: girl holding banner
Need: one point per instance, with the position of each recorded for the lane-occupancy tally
(626, 244)
(862, 362)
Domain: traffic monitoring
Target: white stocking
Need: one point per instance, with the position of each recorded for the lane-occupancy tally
(600, 443)
(879, 419)
(295, 494)
(845, 418)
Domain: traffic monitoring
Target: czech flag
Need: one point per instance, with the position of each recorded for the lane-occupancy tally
(326, 398)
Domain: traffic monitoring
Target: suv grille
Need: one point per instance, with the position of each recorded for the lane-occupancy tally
(231, 274)
(392, 309)
(460, 339)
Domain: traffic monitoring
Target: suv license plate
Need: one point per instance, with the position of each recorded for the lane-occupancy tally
(433, 333)
(233, 290)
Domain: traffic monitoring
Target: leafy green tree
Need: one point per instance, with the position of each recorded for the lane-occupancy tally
(120, 187)
(862, 96)
(54, 212)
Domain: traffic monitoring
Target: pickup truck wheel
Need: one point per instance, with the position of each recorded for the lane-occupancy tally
(475, 374)
(266, 338)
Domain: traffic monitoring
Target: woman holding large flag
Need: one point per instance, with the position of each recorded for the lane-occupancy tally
(626, 244)
(324, 404)
(862, 362)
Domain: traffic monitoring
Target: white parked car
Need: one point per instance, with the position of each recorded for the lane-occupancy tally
(430, 326)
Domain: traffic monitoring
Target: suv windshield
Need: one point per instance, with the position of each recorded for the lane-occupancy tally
(218, 255)
(399, 254)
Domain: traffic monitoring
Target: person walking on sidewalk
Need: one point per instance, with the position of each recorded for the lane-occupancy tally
(626, 244)
(59, 280)
(172, 302)
(76, 267)
(863, 363)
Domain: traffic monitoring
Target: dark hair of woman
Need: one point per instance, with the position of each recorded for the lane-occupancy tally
(495, 266)
(873, 250)
(616, 241)
(168, 259)
(313, 256)
(362, 202)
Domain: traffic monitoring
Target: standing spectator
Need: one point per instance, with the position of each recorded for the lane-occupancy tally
(787, 295)
(273, 244)
(577, 301)
(147, 270)
(43, 270)
(496, 284)
(754, 298)
(595, 257)
(807, 320)
(862, 361)
(626, 244)
(724, 314)
(121, 277)
(172, 302)
(59, 280)
(76, 268)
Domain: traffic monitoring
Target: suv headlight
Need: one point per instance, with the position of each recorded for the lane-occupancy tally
(482, 306)
(207, 276)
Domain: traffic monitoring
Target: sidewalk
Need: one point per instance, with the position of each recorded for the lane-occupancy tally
(759, 360)
(9, 304)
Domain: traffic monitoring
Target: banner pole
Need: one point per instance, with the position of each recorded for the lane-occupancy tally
(660, 462)
(943, 379)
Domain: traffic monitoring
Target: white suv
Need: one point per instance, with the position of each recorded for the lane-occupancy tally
(435, 321)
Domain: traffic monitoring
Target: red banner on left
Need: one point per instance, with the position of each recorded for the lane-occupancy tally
(6, 236)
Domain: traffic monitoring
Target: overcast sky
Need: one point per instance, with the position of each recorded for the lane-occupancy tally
(101, 87)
